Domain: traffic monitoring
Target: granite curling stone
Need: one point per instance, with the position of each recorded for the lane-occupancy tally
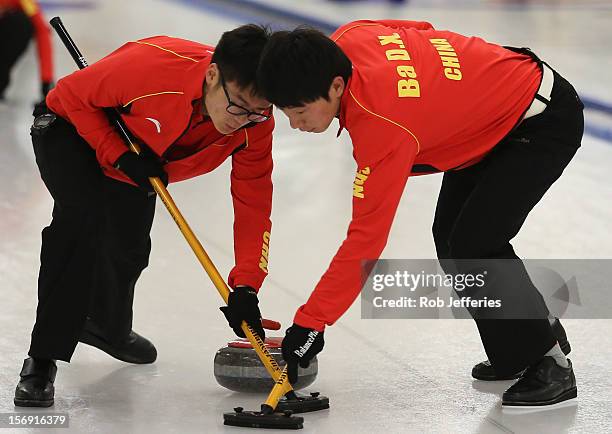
(237, 367)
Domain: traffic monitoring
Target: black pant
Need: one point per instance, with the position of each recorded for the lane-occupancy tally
(481, 209)
(94, 249)
(15, 34)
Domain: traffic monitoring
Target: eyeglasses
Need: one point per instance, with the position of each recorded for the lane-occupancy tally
(238, 110)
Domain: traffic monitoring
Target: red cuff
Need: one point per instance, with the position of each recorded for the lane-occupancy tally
(245, 279)
(304, 320)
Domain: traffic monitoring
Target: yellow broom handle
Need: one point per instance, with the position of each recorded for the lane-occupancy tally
(281, 387)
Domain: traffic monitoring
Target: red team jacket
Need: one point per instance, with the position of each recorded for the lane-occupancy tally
(157, 85)
(419, 101)
(41, 32)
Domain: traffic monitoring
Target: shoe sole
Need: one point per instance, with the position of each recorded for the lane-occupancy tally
(32, 403)
(563, 397)
(94, 341)
(510, 377)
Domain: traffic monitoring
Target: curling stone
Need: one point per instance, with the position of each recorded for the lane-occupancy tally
(238, 368)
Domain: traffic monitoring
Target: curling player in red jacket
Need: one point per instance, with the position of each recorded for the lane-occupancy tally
(497, 121)
(191, 107)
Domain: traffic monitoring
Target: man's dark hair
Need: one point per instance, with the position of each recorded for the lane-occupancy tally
(297, 67)
(237, 54)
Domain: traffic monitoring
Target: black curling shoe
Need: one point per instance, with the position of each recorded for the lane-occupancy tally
(133, 349)
(35, 389)
(545, 383)
(485, 372)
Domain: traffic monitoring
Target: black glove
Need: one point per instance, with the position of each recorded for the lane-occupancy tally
(300, 345)
(140, 167)
(242, 305)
